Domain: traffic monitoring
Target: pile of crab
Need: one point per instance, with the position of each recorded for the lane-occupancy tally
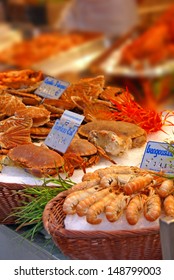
(121, 190)
(26, 118)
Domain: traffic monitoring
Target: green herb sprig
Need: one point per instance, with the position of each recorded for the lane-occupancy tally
(35, 200)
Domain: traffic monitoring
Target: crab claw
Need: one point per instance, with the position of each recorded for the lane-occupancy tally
(72, 161)
(102, 153)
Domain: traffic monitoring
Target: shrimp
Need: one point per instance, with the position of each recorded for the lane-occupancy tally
(134, 209)
(152, 206)
(84, 204)
(97, 208)
(116, 207)
(138, 183)
(169, 205)
(166, 188)
(71, 201)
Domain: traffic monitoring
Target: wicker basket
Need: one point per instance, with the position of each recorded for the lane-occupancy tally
(99, 245)
(11, 196)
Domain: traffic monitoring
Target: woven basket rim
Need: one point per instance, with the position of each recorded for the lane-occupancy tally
(51, 227)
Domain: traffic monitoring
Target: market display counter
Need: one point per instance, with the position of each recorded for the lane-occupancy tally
(15, 247)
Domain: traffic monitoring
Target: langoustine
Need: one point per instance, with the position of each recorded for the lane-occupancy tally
(152, 206)
(98, 208)
(116, 207)
(169, 205)
(71, 201)
(135, 208)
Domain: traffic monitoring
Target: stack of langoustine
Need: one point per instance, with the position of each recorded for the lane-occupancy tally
(111, 113)
(121, 190)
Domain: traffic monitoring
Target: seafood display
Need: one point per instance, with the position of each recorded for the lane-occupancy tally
(120, 190)
(20, 79)
(114, 123)
(26, 118)
(28, 52)
(132, 135)
(38, 160)
(154, 46)
(84, 154)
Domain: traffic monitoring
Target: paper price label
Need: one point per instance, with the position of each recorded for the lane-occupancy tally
(63, 131)
(51, 88)
(158, 157)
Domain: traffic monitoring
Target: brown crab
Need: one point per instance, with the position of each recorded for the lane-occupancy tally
(38, 160)
(137, 135)
(81, 154)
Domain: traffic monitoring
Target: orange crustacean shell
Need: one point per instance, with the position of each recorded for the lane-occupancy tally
(39, 115)
(133, 131)
(15, 121)
(20, 78)
(37, 160)
(14, 136)
(9, 104)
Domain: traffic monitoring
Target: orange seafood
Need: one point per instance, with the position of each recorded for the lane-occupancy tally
(121, 128)
(98, 111)
(166, 188)
(152, 207)
(134, 209)
(9, 104)
(84, 185)
(110, 141)
(138, 183)
(71, 201)
(97, 208)
(111, 93)
(20, 78)
(15, 121)
(169, 205)
(14, 136)
(81, 154)
(116, 169)
(116, 207)
(39, 115)
(109, 180)
(84, 204)
(38, 160)
(130, 111)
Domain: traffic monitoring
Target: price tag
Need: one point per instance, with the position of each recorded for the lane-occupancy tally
(63, 131)
(158, 157)
(51, 88)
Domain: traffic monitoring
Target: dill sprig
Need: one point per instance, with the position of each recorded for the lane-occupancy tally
(35, 200)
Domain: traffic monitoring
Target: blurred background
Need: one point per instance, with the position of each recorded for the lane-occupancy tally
(130, 42)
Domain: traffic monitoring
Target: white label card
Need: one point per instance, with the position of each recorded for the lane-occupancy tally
(51, 88)
(63, 131)
(158, 157)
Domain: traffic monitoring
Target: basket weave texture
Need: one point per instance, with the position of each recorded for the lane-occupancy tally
(99, 245)
(11, 196)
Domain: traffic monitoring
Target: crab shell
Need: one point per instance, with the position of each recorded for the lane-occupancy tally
(125, 129)
(81, 154)
(37, 160)
(85, 149)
